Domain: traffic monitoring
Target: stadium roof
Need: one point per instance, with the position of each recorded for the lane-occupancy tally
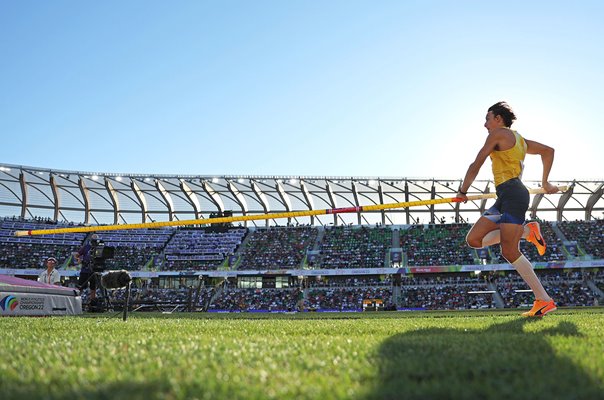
(109, 198)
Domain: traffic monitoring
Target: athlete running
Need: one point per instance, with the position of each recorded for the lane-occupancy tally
(504, 222)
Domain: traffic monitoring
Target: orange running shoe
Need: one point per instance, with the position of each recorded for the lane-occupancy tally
(535, 237)
(540, 308)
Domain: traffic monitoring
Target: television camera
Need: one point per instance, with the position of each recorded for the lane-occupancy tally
(99, 253)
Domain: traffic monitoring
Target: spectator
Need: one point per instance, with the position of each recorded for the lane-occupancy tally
(50, 275)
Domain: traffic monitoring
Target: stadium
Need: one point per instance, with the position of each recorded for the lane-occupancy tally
(325, 268)
(339, 262)
(301, 200)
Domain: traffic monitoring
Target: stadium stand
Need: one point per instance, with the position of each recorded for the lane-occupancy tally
(448, 297)
(442, 244)
(251, 300)
(588, 234)
(201, 249)
(347, 298)
(338, 248)
(30, 252)
(569, 288)
(277, 248)
(554, 252)
(135, 250)
(354, 247)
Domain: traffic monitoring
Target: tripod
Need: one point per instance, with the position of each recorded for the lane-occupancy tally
(112, 280)
(101, 303)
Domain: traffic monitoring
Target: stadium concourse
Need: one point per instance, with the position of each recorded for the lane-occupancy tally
(405, 259)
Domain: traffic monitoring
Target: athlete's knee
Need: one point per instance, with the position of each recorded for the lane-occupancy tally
(510, 253)
(474, 242)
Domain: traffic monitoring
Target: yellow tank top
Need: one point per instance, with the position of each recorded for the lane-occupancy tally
(508, 164)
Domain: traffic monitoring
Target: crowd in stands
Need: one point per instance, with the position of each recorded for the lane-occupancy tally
(346, 299)
(277, 248)
(201, 249)
(568, 288)
(354, 247)
(285, 247)
(40, 221)
(350, 281)
(134, 249)
(566, 294)
(31, 251)
(339, 247)
(447, 291)
(588, 234)
(443, 244)
(32, 255)
(255, 300)
(446, 297)
(150, 296)
(597, 277)
(554, 250)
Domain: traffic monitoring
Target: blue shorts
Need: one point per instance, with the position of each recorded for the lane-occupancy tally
(511, 204)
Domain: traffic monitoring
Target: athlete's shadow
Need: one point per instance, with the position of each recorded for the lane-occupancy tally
(501, 362)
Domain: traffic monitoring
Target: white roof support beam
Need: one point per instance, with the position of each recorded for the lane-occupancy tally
(592, 200)
(284, 198)
(381, 197)
(308, 200)
(355, 195)
(483, 202)
(214, 197)
(114, 200)
(86, 197)
(23, 185)
(407, 209)
(140, 196)
(55, 196)
(239, 198)
(332, 200)
(562, 202)
(192, 198)
(535, 204)
(167, 198)
(261, 198)
(432, 197)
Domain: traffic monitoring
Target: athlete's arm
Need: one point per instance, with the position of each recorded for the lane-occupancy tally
(547, 158)
(488, 147)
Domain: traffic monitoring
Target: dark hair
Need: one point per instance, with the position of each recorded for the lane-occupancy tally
(505, 111)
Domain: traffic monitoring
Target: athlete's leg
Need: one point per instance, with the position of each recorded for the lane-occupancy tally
(479, 231)
(510, 238)
(513, 201)
(485, 232)
(494, 237)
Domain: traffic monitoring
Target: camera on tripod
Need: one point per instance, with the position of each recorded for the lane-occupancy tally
(99, 253)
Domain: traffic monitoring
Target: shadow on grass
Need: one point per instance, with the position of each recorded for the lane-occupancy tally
(502, 361)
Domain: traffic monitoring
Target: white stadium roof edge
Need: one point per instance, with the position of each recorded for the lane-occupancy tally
(97, 198)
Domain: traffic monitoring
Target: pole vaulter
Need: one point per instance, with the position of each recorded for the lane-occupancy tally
(291, 214)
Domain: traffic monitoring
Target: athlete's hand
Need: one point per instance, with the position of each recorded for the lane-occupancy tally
(549, 188)
(462, 197)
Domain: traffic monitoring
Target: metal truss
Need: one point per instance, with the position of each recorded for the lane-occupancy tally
(107, 198)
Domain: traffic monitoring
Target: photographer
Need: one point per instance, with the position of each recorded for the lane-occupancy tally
(85, 258)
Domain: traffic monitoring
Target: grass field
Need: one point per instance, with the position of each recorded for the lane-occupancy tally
(472, 355)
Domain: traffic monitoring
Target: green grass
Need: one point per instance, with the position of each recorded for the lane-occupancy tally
(471, 355)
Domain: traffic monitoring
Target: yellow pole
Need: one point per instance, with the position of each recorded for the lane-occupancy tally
(242, 218)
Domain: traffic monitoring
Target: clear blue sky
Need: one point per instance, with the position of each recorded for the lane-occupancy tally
(338, 88)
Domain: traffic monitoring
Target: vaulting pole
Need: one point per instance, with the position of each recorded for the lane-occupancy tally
(291, 214)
